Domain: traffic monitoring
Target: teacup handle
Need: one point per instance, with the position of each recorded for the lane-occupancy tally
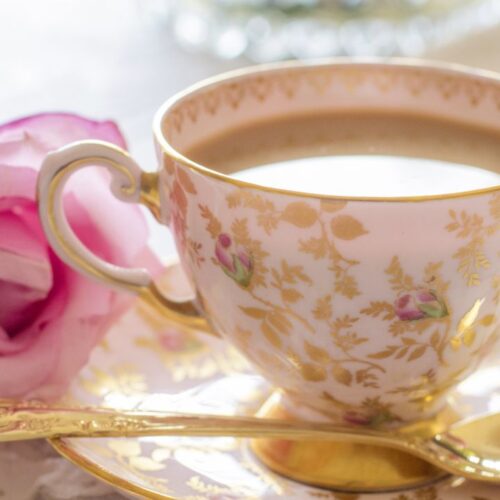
(130, 184)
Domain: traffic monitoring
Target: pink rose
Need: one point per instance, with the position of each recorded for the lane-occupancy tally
(420, 304)
(50, 316)
(235, 261)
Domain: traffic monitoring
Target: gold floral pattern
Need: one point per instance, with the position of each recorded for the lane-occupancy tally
(123, 378)
(418, 316)
(474, 229)
(186, 357)
(301, 215)
(412, 345)
(323, 290)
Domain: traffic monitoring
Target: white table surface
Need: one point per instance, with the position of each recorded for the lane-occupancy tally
(109, 59)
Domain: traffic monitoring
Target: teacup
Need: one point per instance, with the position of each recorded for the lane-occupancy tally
(402, 308)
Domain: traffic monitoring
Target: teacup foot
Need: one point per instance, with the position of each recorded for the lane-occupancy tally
(346, 467)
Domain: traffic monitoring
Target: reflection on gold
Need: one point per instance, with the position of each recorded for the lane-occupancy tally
(345, 466)
(466, 333)
(470, 317)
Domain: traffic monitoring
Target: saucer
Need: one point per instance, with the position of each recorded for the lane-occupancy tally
(145, 363)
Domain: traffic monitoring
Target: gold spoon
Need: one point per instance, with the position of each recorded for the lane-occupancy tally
(470, 448)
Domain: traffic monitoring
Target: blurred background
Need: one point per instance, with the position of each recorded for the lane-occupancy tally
(120, 59)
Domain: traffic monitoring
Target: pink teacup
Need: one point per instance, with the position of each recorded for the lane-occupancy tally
(400, 307)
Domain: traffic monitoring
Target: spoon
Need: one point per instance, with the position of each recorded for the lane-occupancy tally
(470, 448)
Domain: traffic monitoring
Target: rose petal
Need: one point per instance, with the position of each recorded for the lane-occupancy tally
(123, 225)
(59, 332)
(16, 182)
(26, 141)
(18, 238)
(30, 357)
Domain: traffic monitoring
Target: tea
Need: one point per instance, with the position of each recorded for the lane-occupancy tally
(358, 155)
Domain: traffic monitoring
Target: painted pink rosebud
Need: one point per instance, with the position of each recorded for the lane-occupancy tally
(355, 418)
(235, 261)
(420, 304)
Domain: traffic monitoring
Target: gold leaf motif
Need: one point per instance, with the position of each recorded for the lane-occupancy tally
(214, 227)
(397, 328)
(384, 354)
(254, 312)
(211, 101)
(292, 274)
(347, 286)
(290, 295)
(185, 181)
(408, 341)
(400, 281)
(417, 353)
(123, 378)
(380, 308)
(323, 308)
(233, 94)
(270, 335)
(312, 372)
(471, 257)
(242, 338)
(345, 321)
(487, 320)
(268, 221)
(366, 378)
(214, 490)
(316, 353)
(145, 464)
(317, 247)
(299, 214)
(191, 108)
(161, 454)
(279, 321)
(495, 206)
(260, 87)
(435, 339)
(402, 352)
(342, 375)
(347, 227)
(125, 447)
(455, 343)
(233, 199)
(469, 337)
(332, 205)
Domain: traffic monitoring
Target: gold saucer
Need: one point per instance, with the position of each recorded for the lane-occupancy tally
(348, 467)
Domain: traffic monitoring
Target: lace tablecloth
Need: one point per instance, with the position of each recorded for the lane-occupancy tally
(117, 58)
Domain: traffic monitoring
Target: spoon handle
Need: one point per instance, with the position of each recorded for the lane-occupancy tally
(32, 422)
